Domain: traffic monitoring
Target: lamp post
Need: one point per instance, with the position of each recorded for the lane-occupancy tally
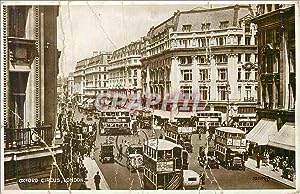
(228, 91)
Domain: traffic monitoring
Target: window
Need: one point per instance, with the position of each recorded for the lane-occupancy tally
(203, 42)
(201, 59)
(247, 57)
(186, 28)
(240, 92)
(222, 74)
(203, 74)
(224, 24)
(135, 73)
(203, 93)
(221, 58)
(187, 75)
(17, 19)
(186, 91)
(247, 27)
(239, 57)
(239, 74)
(221, 41)
(256, 74)
(247, 75)
(135, 61)
(135, 82)
(205, 26)
(247, 40)
(222, 92)
(248, 92)
(269, 7)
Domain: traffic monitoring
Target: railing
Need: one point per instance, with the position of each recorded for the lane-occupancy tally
(27, 137)
(249, 99)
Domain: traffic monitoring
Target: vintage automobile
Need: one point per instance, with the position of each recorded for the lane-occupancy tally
(235, 161)
(134, 154)
(191, 180)
(106, 153)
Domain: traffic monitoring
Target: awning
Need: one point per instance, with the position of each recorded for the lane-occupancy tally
(184, 115)
(185, 129)
(285, 138)
(162, 114)
(263, 131)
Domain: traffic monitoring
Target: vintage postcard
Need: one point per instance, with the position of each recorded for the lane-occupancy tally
(139, 95)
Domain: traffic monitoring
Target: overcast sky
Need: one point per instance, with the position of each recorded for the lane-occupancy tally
(85, 28)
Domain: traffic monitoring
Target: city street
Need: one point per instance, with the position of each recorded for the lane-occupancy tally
(119, 177)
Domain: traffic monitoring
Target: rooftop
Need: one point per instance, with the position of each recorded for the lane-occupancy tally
(230, 130)
(161, 144)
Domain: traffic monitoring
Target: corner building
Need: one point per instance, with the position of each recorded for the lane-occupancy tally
(275, 130)
(209, 53)
(30, 68)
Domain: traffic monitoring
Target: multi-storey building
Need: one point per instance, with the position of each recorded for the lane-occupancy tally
(277, 83)
(79, 79)
(96, 78)
(208, 55)
(70, 85)
(30, 67)
(125, 69)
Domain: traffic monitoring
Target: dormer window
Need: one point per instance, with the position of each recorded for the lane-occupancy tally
(205, 26)
(186, 28)
(224, 24)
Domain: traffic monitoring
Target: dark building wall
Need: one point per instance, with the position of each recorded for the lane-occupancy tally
(50, 62)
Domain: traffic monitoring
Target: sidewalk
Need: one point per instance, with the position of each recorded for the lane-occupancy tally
(267, 171)
(92, 168)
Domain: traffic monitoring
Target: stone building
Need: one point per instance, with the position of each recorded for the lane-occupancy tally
(30, 68)
(205, 56)
(124, 69)
(277, 79)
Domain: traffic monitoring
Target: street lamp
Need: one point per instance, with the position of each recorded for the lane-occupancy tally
(228, 91)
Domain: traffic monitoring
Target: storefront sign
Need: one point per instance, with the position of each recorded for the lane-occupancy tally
(237, 142)
(229, 141)
(165, 166)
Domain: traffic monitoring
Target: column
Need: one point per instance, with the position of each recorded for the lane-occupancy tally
(196, 77)
(174, 77)
(213, 78)
(232, 76)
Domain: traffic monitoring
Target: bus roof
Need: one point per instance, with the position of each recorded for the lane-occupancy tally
(230, 130)
(208, 111)
(161, 144)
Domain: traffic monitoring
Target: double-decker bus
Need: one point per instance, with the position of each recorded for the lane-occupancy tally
(144, 118)
(163, 161)
(212, 118)
(180, 135)
(115, 122)
(230, 145)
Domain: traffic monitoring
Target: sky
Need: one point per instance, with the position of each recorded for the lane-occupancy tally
(85, 28)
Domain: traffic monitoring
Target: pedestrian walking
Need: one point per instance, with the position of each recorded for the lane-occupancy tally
(120, 152)
(258, 160)
(97, 180)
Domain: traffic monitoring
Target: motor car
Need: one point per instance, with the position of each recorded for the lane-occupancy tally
(106, 153)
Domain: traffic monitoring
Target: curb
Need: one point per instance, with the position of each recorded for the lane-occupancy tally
(277, 180)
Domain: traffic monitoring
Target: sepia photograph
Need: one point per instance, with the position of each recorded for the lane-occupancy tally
(143, 95)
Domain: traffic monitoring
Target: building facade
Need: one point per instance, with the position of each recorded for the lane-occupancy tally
(70, 86)
(124, 69)
(79, 79)
(30, 67)
(96, 78)
(208, 56)
(277, 83)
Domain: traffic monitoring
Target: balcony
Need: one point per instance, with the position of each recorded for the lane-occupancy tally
(27, 137)
(249, 99)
